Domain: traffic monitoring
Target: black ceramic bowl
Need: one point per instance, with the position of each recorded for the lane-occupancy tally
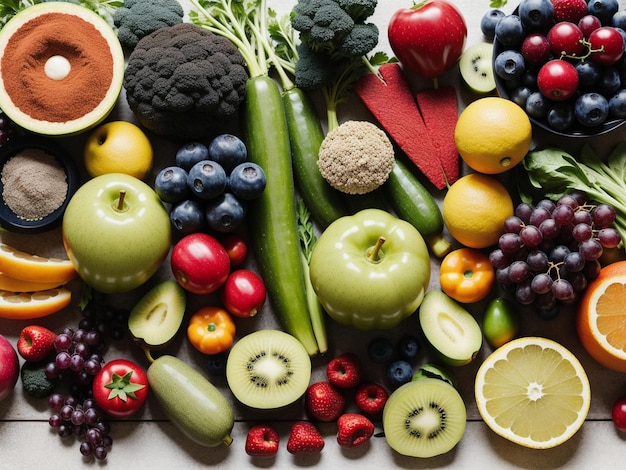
(9, 220)
(577, 130)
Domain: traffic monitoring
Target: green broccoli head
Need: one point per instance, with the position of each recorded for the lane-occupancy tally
(359, 10)
(361, 40)
(138, 18)
(185, 82)
(313, 70)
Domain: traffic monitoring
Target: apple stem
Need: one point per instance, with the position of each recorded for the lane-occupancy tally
(374, 252)
(120, 204)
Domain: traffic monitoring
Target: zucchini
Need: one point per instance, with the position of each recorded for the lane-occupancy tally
(413, 202)
(191, 402)
(306, 135)
(273, 216)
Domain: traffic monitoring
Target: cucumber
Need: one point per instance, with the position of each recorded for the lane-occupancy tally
(325, 203)
(273, 218)
(413, 202)
(191, 402)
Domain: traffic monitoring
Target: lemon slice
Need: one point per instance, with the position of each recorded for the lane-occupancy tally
(26, 306)
(12, 284)
(33, 268)
(534, 392)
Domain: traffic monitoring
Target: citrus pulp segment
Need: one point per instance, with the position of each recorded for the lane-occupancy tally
(534, 392)
(25, 306)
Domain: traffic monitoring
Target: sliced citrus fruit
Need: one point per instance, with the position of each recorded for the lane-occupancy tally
(533, 391)
(25, 306)
(28, 267)
(12, 284)
(601, 320)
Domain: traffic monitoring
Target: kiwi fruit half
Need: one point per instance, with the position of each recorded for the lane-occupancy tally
(268, 369)
(476, 68)
(424, 418)
(156, 317)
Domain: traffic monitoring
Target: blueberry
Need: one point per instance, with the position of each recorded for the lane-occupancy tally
(536, 105)
(561, 116)
(228, 150)
(510, 31)
(380, 350)
(603, 9)
(187, 217)
(207, 179)
(190, 154)
(618, 20)
(509, 64)
(489, 21)
(408, 347)
(247, 181)
(399, 372)
(170, 184)
(588, 73)
(520, 95)
(591, 109)
(216, 364)
(225, 213)
(536, 14)
(617, 104)
(610, 81)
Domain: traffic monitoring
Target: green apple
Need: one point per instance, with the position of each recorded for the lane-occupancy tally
(370, 270)
(116, 232)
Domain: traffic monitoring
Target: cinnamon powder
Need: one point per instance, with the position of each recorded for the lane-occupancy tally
(34, 184)
(42, 97)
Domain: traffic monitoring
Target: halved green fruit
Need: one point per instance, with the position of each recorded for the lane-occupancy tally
(268, 369)
(451, 330)
(156, 318)
(476, 68)
(424, 418)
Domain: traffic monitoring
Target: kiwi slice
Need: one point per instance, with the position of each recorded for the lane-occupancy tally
(424, 418)
(476, 68)
(156, 318)
(268, 369)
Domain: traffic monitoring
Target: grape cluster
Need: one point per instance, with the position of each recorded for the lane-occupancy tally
(82, 419)
(78, 359)
(110, 321)
(549, 252)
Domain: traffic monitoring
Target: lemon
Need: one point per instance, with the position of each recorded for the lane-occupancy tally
(533, 391)
(493, 135)
(474, 210)
(118, 147)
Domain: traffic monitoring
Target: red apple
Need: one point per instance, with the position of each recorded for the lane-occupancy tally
(200, 263)
(428, 38)
(9, 368)
(243, 293)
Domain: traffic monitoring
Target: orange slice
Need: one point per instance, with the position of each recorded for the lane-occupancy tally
(12, 284)
(26, 306)
(33, 268)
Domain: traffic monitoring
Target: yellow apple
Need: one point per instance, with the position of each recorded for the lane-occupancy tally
(118, 147)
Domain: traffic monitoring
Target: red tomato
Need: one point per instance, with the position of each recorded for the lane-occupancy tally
(243, 293)
(236, 247)
(121, 387)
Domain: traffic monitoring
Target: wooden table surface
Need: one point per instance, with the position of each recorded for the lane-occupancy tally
(148, 440)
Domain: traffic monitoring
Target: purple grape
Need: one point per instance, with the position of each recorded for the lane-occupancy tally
(498, 259)
(574, 262)
(531, 235)
(568, 200)
(541, 283)
(609, 237)
(537, 261)
(510, 242)
(539, 214)
(562, 290)
(519, 271)
(549, 229)
(603, 215)
(63, 360)
(582, 217)
(563, 214)
(524, 211)
(513, 224)
(524, 293)
(591, 249)
(63, 342)
(582, 232)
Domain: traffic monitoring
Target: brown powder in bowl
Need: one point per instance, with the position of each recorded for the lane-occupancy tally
(34, 184)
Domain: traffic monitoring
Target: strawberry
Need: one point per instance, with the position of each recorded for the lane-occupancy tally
(304, 438)
(354, 430)
(262, 441)
(345, 371)
(569, 10)
(35, 343)
(371, 398)
(324, 402)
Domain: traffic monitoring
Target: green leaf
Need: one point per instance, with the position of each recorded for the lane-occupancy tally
(497, 3)
(121, 387)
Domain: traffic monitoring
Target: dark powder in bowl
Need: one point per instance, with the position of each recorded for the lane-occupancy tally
(34, 184)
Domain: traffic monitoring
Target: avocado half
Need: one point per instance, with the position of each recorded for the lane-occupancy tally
(61, 69)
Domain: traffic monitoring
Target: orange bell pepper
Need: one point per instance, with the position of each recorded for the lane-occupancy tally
(211, 330)
(466, 275)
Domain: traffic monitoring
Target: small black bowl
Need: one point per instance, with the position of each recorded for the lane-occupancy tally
(575, 131)
(9, 220)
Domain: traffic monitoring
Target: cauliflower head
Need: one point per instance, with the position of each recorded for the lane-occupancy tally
(185, 82)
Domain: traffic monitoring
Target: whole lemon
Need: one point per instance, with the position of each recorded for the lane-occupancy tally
(118, 147)
(474, 210)
(492, 135)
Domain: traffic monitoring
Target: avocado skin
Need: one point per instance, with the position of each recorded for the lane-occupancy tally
(191, 402)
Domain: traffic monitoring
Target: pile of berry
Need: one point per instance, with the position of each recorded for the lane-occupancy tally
(549, 252)
(210, 186)
(563, 61)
